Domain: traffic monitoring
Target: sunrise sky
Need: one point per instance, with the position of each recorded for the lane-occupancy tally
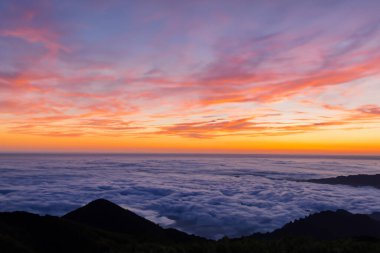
(190, 76)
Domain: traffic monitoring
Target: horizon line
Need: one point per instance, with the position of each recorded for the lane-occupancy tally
(343, 155)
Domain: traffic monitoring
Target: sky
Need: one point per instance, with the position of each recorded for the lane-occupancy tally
(190, 76)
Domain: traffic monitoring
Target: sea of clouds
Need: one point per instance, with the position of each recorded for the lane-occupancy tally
(211, 196)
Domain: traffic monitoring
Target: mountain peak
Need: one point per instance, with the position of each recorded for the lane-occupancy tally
(105, 215)
(103, 203)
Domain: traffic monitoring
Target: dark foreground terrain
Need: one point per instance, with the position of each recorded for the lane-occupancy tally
(102, 226)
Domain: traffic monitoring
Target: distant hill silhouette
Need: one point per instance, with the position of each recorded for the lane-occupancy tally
(108, 216)
(331, 225)
(352, 180)
(104, 227)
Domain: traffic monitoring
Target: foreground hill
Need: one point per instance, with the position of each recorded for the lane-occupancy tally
(375, 216)
(25, 232)
(331, 225)
(102, 226)
(105, 215)
(352, 180)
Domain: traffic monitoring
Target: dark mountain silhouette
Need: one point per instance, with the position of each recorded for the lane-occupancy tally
(352, 180)
(375, 216)
(102, 226)
(331, 225)
(110, 217)
(26, 232)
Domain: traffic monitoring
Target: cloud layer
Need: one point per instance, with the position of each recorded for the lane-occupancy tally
(210, 196)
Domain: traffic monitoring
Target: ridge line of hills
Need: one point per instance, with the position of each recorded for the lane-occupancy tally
(102, 226)
(351, 180)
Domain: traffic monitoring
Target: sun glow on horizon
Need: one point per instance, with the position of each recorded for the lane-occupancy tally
(200, 77)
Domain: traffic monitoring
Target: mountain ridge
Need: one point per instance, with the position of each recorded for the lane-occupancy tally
(85, 230)
(105, 215)
(351, 180)
(331, 225)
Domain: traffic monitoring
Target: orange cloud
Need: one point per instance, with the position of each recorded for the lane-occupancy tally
(69, 77)
(249, 127)
(278, 91)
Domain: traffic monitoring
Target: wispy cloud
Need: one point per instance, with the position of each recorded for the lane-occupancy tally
(167, 69)
(254, 127)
